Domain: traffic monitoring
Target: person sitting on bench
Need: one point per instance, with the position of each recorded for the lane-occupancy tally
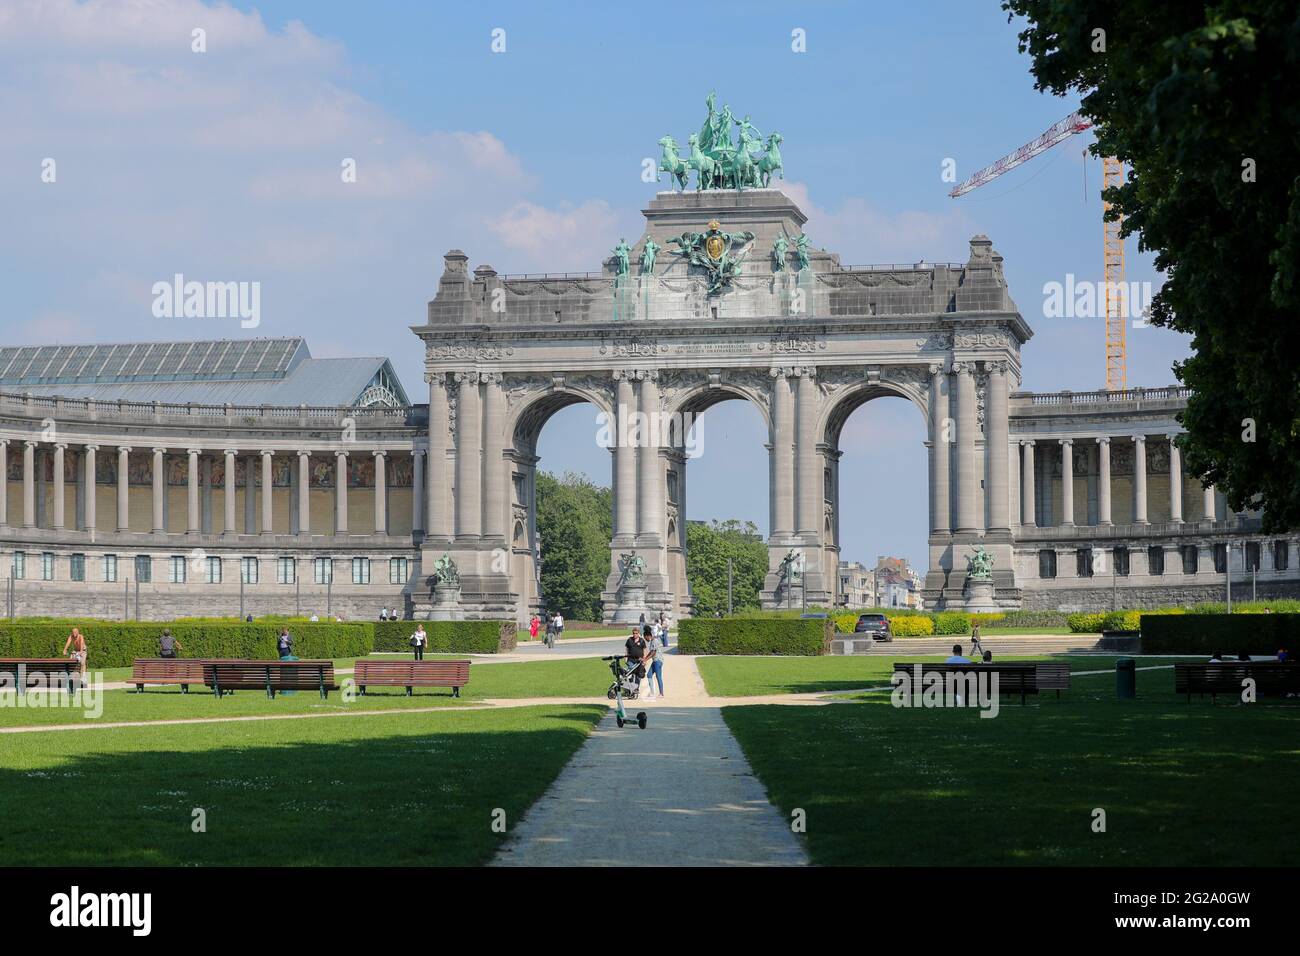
(956, 657)
(168, 645)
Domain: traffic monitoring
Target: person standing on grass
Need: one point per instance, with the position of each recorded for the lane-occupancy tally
(78, 644)
(655, 663)
(284, 644)
(419, 641)
(168, 645)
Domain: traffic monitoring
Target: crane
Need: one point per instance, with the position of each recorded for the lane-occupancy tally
(1112, 245)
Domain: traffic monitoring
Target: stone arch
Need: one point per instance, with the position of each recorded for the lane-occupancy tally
(696, 399)
(849, 399)
(535, 409)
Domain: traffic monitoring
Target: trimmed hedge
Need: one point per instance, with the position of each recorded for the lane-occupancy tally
(791, 637)
(117, 644)
(913, 625)
(952, 622)
(1220, 633)
(449, 637)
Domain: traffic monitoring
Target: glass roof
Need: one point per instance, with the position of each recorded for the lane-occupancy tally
(215, 360)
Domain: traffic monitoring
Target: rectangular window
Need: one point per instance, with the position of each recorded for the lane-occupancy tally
(109, 563)
(1047, 564)
(143, 568)
(212, 574)
(1281, 555)
(1083, 562)
(77, 567)
(1191, 557)
(47, 566)
(248, 570)
(360, 570)
(1156, 560)
(323, 570)
(176, 570)
(285, 571)
(20, 564)
(399, 571)
(1120, 555)
(1220, 558)
(1252, 556)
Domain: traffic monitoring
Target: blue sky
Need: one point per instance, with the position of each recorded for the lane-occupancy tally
(225, 165)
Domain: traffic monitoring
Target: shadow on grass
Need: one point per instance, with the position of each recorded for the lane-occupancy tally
(418, 790)
(1181, 785)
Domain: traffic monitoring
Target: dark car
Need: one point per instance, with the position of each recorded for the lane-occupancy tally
(877, 625)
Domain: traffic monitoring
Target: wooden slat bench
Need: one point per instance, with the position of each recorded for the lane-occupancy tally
(24, 669)
(224, 676)
(1019, 679)
(1272, 678)
(1054, 675)
(411, 674)
(166, 670)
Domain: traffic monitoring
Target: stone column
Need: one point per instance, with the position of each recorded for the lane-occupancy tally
(1027, 495)
(250, 493)
(419, 482)
(494, 470)
(1175, 481)
(437, 481)
(268, 490)
(996, 427)
(625, 510)
(123, 500)
(782, 455)
(1139, 479)
(1209, 507)
(58, 520)
(1103, 483)
(650, 498)
(967, 474)
(29, 484)
(1067, 482)
(4, 482)
(159, 478)
(1013, 479)
(229, 527)
(192, 521)
(469, 459)
(808, 468)
(381, 492)
(341, 492)
(88, 479)
(941, 438)
(304, 491)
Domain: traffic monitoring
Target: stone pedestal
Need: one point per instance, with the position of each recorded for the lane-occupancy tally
(631, 605)
(979, 597)
(446, 603)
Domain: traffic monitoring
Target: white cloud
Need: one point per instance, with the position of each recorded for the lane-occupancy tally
(567, 238)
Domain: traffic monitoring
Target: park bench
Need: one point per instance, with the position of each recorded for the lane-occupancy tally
(166, 670)
(24, 669)
(1053, 676)
(224, 676)
(1272, 678)
(1019, 679)
(411, 674)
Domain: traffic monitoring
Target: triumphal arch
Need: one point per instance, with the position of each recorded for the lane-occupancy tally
(723, 296)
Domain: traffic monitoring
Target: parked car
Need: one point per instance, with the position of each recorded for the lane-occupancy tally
(877, 625)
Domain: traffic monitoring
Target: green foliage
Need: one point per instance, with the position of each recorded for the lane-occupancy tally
(1198, 100)
(951, 622)
(1033, 619)
(575, 523)
(1220, 633)
(707, 548)
(911, 625)
(118, 643)
(801, 637)
(455, 637)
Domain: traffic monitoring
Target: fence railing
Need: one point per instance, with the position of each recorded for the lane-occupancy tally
(58, 407)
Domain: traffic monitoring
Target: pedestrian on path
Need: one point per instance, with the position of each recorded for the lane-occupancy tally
(976, 648)
(635, 647)
(663, 630)
(655, 664)
(533, 626)
(419, 640)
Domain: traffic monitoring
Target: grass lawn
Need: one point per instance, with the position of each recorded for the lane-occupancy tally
(726, 676)
(1182, 785)
(405, 790)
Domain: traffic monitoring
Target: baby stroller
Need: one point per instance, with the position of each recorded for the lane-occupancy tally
(626, 685)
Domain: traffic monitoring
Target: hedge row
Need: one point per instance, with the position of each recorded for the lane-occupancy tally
(791, 637)
(454, 637)
(118, 643)
(1220, 633)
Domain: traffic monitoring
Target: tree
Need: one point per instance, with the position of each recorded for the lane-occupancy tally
(1200, 102)
(575, 523)
(708, 545)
